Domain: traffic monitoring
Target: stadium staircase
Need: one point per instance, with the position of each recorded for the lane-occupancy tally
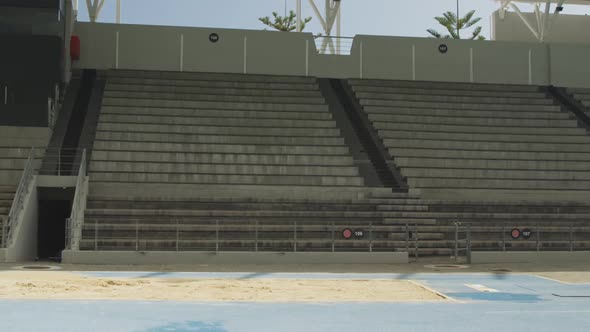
(195, 161)
(497, 157)
(583, 96)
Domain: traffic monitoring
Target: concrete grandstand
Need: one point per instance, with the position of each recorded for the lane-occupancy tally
(155, 144)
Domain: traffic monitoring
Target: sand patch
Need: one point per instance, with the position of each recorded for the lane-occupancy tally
(63, 285)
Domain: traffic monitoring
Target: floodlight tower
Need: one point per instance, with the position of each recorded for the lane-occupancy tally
(333, 17)
(544, 18)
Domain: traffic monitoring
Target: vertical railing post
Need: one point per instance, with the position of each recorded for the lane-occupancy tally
(468, 236)
(371, 236)
(407, 239)
(177, 235)
(416, 241)
(456, 241)
(503, 236)
(571, 237)
(333, 236)
(256, 236)
(216, 236)
(58, 162)
(295, 236)
(136, 235)
(95, 235)
(538, 237)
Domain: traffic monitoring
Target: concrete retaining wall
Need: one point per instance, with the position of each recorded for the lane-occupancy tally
(162, 257)
(110, 46)
(529, 257)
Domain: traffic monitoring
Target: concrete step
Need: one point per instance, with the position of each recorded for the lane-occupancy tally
(217, 113)
(414, 207)
(253, 106)
(17, 164)
(562, 165)
(220, 158)
(479, 129)
(215, 130)
(221, 148)
(549, 123)
(281, 180)
(442, 91)
(10, 177)
(496, 174)
(432, 112)
(470, 106)
(126, 215)
(208, 76)
(445, 85)
(131, 97)
(204, 90)
(218, 84)
(217, 139)
(540, 157)
(178, 168)
(454, 99)
(24, 143)
(500, 184)
(486, 146)
(204, 121)
(489, 217)
(19, 153)
(41, 133)
(422, 236)
(483, 137)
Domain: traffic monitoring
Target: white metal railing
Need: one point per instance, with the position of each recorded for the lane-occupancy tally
(334, 45)
(61, 162)
(76, 220)
(19, 199)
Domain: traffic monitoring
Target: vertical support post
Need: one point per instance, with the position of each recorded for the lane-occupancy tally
(530, 67)
(181, 52)
(339, 29)
(216, 236)
(306, 57)
(471, 65)
(299, 16)
(413, 62)
(118, 18)
(256, 237)
(58, 162)
(295, 236)
(6, 95)
(136, 235)
(117, 50)
(333, 237)
(246, 55)
(361, 60)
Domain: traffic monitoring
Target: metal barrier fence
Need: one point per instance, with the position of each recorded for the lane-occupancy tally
(76, 220)
(61, 162)
(334, 45)
(18, 202)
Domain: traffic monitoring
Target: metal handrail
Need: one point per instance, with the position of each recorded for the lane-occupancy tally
(18, 202)
(76, 220)
(334, 45)
(54, 162)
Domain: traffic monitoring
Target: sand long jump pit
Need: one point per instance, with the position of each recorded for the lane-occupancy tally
(74, 286)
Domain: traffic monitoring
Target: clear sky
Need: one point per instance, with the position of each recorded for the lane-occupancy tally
(374, 17)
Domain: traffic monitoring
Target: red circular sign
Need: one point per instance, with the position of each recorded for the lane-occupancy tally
(347, 233)
(515, 233)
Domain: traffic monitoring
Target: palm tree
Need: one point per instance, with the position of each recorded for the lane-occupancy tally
(454, 26)
(286, 23)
